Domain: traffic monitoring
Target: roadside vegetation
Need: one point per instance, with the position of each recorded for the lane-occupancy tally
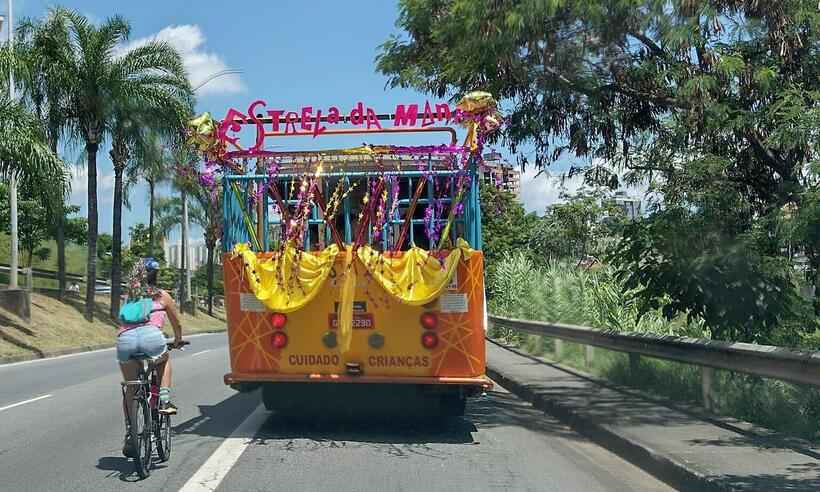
(712, 107)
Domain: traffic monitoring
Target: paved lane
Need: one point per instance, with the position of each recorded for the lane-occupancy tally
(501, 444)
(72, 439)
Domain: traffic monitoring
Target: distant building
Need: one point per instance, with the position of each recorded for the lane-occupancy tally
(499, 171)
(197, 254)
(630, 205)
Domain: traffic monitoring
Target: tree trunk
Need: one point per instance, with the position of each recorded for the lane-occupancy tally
(151, 218)
(91, 266)
(60, 237)
(210, 279)
(116, 246)
(60, 226)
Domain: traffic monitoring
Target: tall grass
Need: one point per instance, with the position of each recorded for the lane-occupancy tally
(568, 294)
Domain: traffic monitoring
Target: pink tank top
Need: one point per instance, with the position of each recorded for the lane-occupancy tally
(156, 318)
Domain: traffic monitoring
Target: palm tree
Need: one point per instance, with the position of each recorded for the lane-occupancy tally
(101, 78)
(150, 166)
(23, 149)
(207, 216)
(40, 45)
(129, 133)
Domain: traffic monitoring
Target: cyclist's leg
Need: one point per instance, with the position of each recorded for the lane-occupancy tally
(154, 344)
(164, 370)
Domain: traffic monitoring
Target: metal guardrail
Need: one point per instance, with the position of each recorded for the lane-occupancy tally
(790, 365)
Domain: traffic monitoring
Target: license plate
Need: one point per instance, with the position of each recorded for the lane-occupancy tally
(361, 321)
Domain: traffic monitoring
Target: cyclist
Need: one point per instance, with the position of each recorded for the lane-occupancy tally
(147, 337)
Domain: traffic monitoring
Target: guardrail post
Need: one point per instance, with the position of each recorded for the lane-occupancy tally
(589, 355)
(559, 347)
(634, 363)
(707, 375)
(29, 279)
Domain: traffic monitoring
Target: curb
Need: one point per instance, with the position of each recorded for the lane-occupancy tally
(671, 471)
(76, 350)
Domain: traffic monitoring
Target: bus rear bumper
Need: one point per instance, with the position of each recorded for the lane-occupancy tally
(475, 383)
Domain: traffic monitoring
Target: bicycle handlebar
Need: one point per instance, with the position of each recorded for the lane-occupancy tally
(182, 343)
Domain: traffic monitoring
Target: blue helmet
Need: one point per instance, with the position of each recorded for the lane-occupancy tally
(150, 264)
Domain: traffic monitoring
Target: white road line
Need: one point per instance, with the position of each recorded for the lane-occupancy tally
(201, 352)
(211, 473)
(77, 354)
(24, 402)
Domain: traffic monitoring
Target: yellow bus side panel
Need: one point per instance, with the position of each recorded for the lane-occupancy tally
(460, 310)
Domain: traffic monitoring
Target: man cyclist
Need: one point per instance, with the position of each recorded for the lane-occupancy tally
(147, 337)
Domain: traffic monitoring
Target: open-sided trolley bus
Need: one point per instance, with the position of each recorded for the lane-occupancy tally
(353, 275)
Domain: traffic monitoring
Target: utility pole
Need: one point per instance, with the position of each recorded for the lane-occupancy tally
(13, 179)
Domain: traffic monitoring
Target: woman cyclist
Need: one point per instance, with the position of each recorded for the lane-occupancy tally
(147, 338)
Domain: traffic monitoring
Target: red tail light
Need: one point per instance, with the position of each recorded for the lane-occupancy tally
(429, 321)
(279, 320)
(280, 339)
(429, 339)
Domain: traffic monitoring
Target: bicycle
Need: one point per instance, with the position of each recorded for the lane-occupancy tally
(145, 424)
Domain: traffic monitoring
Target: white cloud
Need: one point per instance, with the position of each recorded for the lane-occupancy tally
(79, 187)
(189, 40)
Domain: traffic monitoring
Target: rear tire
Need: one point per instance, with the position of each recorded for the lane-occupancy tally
(141, 436)
(163, 436)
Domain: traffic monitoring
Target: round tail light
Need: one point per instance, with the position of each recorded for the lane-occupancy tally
(429, 340)
(279, 320)
(280, 339)
(429, 321)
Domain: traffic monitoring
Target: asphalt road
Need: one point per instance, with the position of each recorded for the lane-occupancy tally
(61, 429)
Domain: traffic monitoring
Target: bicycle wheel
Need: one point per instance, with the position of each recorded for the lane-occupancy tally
(163, 435)
(141, 436)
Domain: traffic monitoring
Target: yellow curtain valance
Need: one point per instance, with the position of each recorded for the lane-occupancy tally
(288, 281)
(416, 277)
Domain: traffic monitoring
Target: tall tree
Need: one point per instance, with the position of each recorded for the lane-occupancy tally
(715, 102)
(150, 164)
(129, 133)
(24, 151)
(101, 77)
(40, 44)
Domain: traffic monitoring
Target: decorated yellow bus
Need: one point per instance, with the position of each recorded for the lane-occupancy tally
(353, 275)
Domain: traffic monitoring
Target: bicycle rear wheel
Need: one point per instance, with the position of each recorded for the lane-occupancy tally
(141, 436)
(163, 435)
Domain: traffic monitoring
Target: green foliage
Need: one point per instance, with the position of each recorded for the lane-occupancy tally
(716, 104)
(565, 293)
(584, 224)
(505, 227)
(683, 264)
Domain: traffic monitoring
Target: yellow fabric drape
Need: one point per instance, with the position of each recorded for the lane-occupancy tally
(417, 277)
(286, 283)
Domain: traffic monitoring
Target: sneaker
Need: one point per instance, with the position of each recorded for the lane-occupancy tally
(167, 408)
(128, 448)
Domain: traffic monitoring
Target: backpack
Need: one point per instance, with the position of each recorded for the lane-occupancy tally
(136, 311)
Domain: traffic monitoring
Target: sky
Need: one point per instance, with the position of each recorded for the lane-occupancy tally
(291, 54)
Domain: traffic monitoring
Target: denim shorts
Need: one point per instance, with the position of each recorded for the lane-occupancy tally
(148, 340)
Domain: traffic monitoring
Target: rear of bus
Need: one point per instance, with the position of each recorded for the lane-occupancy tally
(402, 357)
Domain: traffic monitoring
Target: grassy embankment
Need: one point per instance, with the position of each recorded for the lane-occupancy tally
(593, 298)
(59, 325)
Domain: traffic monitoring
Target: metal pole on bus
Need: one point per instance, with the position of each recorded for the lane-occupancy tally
(13, 178)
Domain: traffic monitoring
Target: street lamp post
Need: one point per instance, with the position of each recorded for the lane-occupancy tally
(13, 178)
(186, 262)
